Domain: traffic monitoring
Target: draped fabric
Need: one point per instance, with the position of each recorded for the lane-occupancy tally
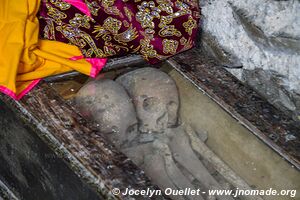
(40, 38)
(156, 29)
(25, 59)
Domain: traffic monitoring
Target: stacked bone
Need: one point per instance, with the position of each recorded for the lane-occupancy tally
(139, 113)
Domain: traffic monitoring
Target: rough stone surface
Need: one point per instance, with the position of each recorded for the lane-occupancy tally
(257, 34)
(269, 84)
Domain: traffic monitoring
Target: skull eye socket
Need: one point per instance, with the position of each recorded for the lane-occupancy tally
(151, 104)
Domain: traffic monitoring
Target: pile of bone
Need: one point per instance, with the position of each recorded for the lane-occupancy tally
(139, 113)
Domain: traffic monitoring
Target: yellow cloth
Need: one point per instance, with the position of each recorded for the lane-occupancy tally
(23, 56)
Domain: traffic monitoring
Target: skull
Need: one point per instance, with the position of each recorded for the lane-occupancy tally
(155, 97)
(107, 103)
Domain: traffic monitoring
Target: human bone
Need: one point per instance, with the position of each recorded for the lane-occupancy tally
(159, 147)
(107, 103)
(184, 154)
(155, 97)
(200, 147)
(164, 153)
(155, 158)
(160, 158)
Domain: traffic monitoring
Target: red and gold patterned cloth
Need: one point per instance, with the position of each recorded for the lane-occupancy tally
(156, 29)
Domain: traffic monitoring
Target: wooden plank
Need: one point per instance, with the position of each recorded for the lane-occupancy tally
(79, 143)
(112, 64)
(6, 193)
(265, 121)
(94, 159)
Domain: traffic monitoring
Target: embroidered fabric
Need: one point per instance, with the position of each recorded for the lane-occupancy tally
(156, 29)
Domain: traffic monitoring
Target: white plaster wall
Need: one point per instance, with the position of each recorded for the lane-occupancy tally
(260, 34)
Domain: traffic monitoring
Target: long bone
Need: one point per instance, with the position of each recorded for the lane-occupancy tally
(186, 157)
(155, 168)
(201, 148)
(172, 170)
(153, 163)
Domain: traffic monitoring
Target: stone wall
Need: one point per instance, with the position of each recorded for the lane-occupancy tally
(262, 37)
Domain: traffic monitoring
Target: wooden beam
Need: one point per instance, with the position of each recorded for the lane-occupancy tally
(112, 64)
(79, 143)
(265, 121)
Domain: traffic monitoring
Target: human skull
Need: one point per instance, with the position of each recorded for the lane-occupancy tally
(155, 97)
(107, 103)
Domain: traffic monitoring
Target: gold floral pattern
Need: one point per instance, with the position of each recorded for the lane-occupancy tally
(147, 12)
(183, 41)
(156, 29)
(147, 49)
(61, 4)
(165, 5)
(164, 20)
(100, 30)
(93, 7)
(112, 25)
(55, 14)
(80, 21)
(49, 31)
(169, 31)
(128, 13)
(69, 32)
(126, 36)
(109, 8)
(190, 25)
(170, 46)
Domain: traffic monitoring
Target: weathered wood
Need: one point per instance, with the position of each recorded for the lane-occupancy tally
(94, 159)
(273, 127)
(34, 165)
(125, 61)
(6, 193)
(79, 143)
(112, 64)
